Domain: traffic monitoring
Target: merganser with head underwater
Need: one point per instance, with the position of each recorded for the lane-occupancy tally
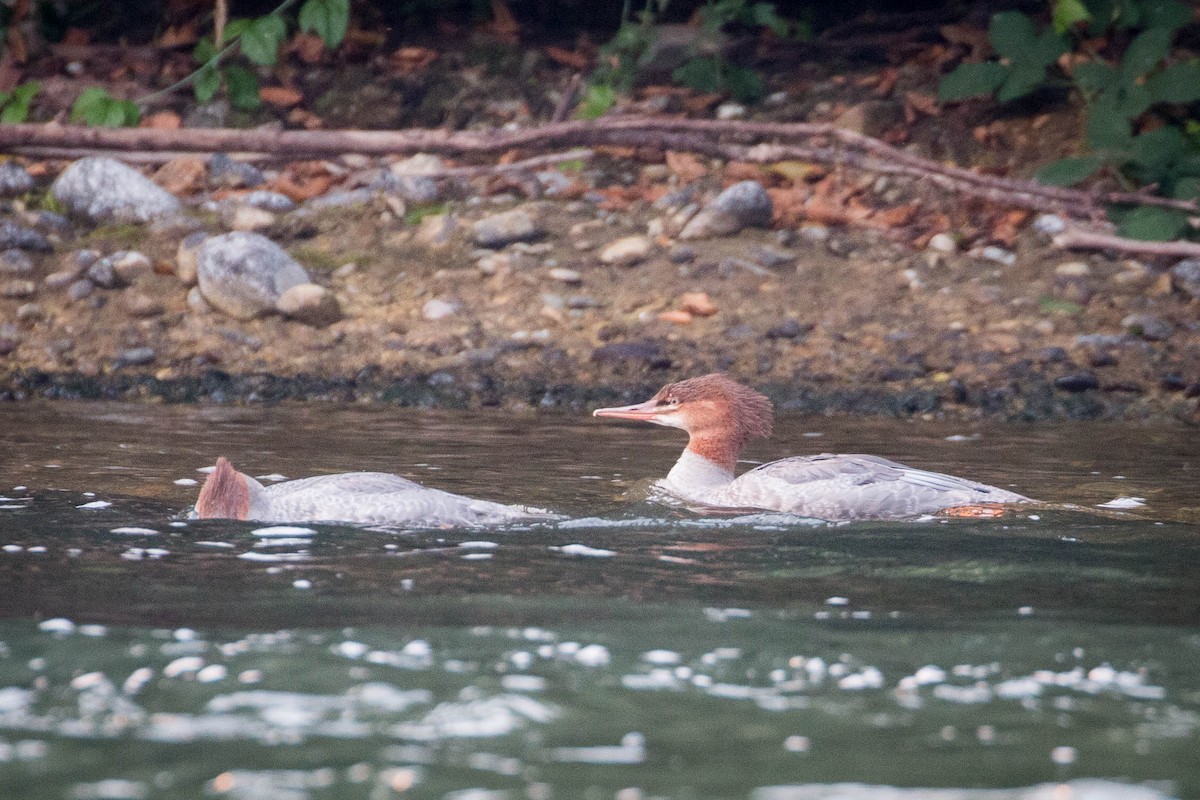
(366, 498)
(720, 416)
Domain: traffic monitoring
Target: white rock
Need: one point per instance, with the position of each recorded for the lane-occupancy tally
(627, 251)
(105, 190)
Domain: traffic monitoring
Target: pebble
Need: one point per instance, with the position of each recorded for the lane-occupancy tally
(14, 180)
(627, 251)
(493, 263)
(942, 243)
(731, 111)
(354, 197)
(80, 289)
(411, 188)
(743, 205)
(311, 304)
(440, 309)
(676, 316)
(1185, 277)
(997, 254)
(182, 175)
(813, 232)
(788, 329)
(140, 304)
(437, 230)
(246, 218)
(565, 275)
(681, 254)
(1049, 224)
(15, 262)
(136, 357)
(8, 343)
(103, 274)
(30, 312)
(17, 236)
(1073, 269)
(419, 164)
(185, 257)
(244, 274)
(581, 302)
(268, 201)
(129, 265)
(498, 230)
(224, 172)
(1148, 326)
(18, 288)
(105, 190)
(771, 257)
(1077, 382)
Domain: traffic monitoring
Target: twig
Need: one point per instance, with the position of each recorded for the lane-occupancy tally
(133, 157)
(567, 101)
(819, 142)
(537, 162)
(1089, 240)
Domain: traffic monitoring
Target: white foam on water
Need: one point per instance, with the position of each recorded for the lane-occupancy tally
(185, 482)
(284, 541)
(274, 477)
(131, 531)
(661, 657)
(631, 750)
(486, 717)
(252, 556)
(837, 601)
(478, 545)
(215, 544)
(96, 504)
(57, 625)
(523, 683)
(1081, 789)
(1124, 502)
(283, 530)
(109, 789)
(183, 666)
(14, 507)
(12, 548)
(477, 557)
(584, 551)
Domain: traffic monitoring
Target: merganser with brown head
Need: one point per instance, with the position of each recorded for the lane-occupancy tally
(365, 498)
(720, 416)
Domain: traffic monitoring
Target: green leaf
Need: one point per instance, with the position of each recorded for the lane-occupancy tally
(204, 51)
(1167, 14)
(1133, 101)
(1068, 13)
(235, 28)
(972, 80)
(326, 18)
(14, 113)
(1153, 224)
(1178, 83)
(1156, 151)
(598, 99)
(15, 104)
(243, 88)
(1022, 79)
(262, 38)
(701, 74)
(1012, 34)
(764, 14)
(1102, 12)
(1069, 171)
(1095, 76)
(1186, 188)
(90, 105)
(1108, 130)
(206, 83)
(26, 92)
(1145, 51)
(744, 84)
(1050, 45)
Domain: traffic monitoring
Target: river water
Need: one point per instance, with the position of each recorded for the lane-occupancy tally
(627, 652)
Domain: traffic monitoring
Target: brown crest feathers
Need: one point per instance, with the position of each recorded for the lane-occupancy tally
(225, 495)
(749, 411)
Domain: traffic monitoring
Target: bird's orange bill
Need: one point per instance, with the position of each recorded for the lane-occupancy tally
(640, 411)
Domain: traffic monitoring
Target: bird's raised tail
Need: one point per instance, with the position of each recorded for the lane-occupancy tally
(225, 495)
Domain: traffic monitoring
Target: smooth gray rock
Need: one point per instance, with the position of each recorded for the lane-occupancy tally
(268, 201)
(14, 180)
(413, 188)
(223, 171)
(743, 205)
(1148, 326)
(244, 274)
(1185, 277)
(17, 236)
(104, 190)
(517, 225)
(15, 262)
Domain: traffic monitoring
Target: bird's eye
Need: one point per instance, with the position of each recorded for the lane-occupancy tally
(672, 401)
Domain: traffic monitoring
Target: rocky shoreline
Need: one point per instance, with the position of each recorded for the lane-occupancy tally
(403, 288)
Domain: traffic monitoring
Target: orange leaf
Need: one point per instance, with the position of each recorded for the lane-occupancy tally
(305, 119)
(184, 175)
(302, 189)
(410, 59)
(896, 216)
(568, 58)
(177, 36)
(161, 120)
(308, 47)
(280, 96)
(686, 166)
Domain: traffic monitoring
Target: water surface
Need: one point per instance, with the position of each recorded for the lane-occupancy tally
(627, 652)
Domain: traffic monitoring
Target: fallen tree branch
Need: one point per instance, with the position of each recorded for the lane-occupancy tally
(1090, 240)
(735, 140)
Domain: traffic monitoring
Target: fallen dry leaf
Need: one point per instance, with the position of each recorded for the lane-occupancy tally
(308, 47)
(161, 120)
(305, 119)
(280, 96)
(686, 166)
(923, 103)
(184, 175)
(411, 59)
(896, 216)
(568, 58)
(1005, 231)
(177, 36)
(700, 103)
(303, 180)
(698, 304)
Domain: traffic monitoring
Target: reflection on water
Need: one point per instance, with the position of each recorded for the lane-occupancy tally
(627, 652)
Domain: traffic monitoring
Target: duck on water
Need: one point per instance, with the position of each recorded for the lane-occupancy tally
(720, 416)
(367, 498)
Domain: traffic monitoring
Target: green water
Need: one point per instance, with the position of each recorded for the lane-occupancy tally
(627, 652)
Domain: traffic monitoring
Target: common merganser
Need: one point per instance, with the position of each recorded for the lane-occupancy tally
(370, 498)
(720, 415)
